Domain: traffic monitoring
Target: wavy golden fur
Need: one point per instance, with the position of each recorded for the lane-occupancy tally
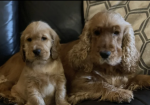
(97, 75)
(80, 52)
(42, 79)
(101, 65)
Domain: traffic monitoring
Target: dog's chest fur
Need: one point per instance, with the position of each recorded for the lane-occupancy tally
(44, 77)
(116, 80)
(45, 82)
(110, 75)
(46, 85)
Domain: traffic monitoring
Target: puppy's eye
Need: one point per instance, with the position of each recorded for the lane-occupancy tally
(97, 32)
(44, 38)
(29, 39)
(116, 33)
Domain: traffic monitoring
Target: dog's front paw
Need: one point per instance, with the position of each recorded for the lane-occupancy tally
(119, 96)
(64, 103)
(78, 97)
(73, 99)
(124, 96)
(134, 87)
(2, 79)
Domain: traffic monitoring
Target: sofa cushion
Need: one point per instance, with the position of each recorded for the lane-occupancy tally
(9, 40)
(137, 14)
(65, 17)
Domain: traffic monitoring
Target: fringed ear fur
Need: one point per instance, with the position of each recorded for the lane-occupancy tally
(79, 54)
(130, 55)
(22, 47)
(55, 45)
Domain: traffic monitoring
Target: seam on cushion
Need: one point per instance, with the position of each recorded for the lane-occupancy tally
(141, 101)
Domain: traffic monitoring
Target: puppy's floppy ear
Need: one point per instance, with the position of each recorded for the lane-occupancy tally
(55, 44)
(79, 53)
(130, 55)
(22, 47)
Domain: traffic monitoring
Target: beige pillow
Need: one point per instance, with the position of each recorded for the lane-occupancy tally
(137, 13)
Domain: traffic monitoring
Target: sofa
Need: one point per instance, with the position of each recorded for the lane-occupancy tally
(65, 17)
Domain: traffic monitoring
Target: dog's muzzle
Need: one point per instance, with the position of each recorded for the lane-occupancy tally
(105, 54)
(37, 52)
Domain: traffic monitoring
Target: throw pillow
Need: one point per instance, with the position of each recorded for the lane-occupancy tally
(137, 13)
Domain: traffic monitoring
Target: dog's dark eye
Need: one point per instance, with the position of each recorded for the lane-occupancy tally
(97, 32)
(116, 33)
(44, 38)
(29, 39)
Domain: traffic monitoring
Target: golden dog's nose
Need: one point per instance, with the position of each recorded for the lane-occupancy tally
(105, 54)
(37, 51)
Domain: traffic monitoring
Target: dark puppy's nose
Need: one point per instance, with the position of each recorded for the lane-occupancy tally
(37, 51)
(105, 54)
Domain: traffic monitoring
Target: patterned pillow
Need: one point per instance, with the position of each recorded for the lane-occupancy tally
(137, 13)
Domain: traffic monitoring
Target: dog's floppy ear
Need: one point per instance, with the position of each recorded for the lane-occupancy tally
(22, 47)
(79, 53)
(130, 55)
(55, 44)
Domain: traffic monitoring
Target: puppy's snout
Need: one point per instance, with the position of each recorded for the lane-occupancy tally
(105, 54)
(37, 51)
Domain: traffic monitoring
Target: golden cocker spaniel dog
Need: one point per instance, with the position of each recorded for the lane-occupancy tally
(42, 80)
(101, 65)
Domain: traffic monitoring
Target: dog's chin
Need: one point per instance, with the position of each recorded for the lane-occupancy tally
(109, 61)
(38, 58)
